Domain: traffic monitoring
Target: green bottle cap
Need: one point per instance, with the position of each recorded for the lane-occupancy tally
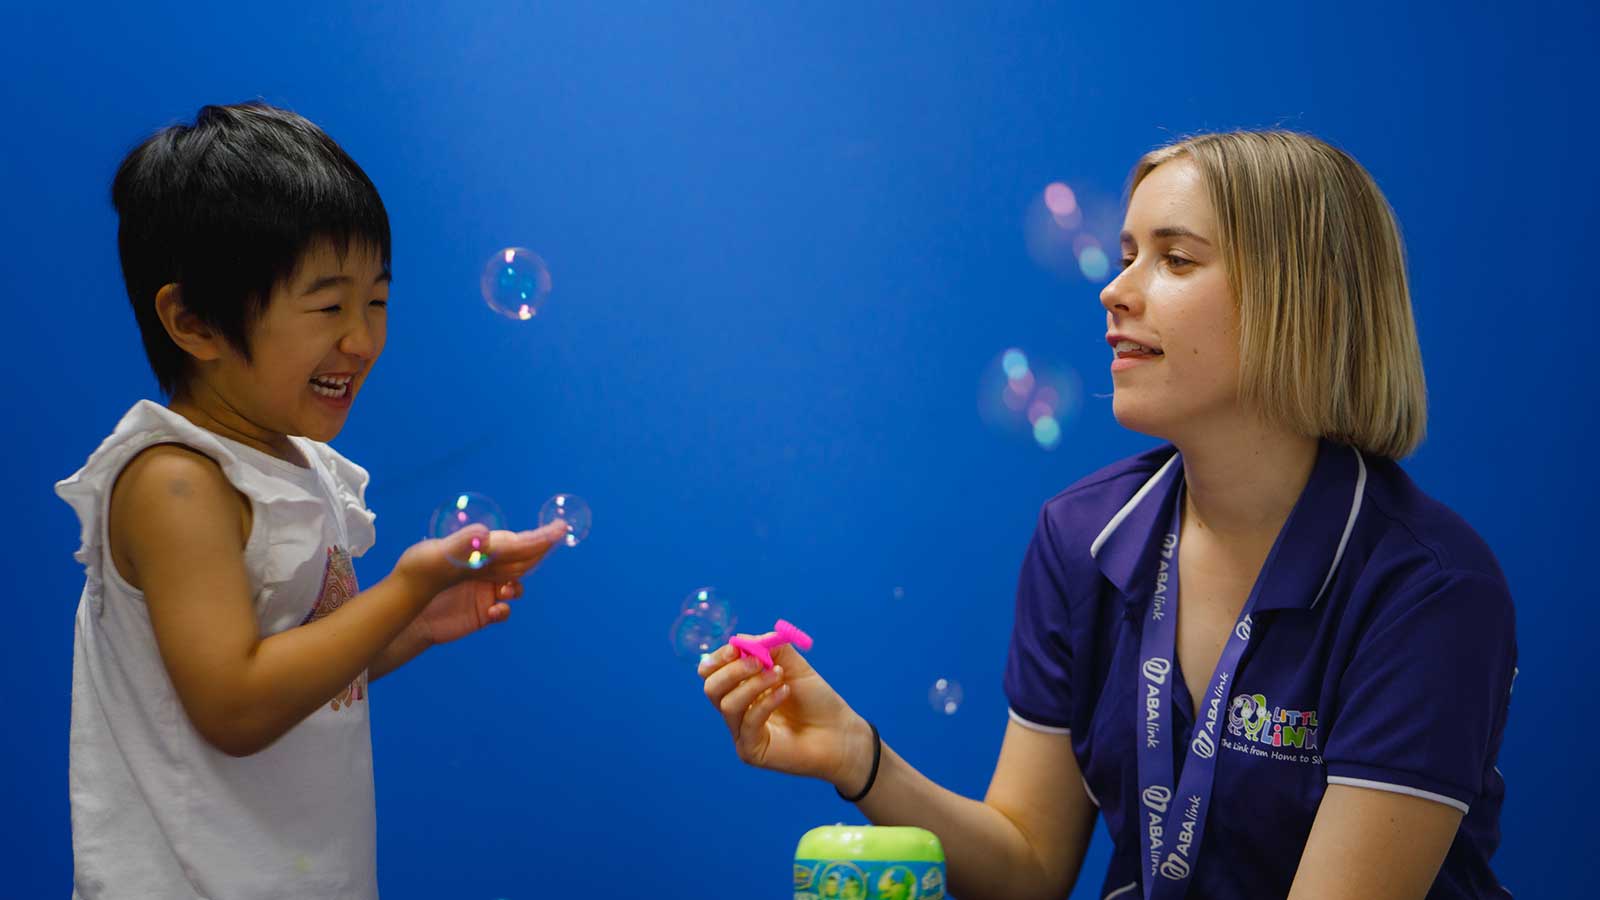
(888, 843)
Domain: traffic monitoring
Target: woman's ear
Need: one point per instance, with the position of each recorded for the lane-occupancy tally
(193, 336)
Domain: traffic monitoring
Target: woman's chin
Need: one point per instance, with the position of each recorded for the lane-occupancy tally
(1136, 416)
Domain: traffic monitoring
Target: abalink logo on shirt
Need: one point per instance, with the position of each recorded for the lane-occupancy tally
(1260, 729)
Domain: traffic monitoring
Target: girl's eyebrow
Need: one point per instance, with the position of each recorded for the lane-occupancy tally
(1168, 231)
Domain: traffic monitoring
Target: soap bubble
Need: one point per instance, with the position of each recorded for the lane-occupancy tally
(1092, 259)
(515, 283)
(461, 511)
(708, 603)
(945, 696)
(694, 637)
(705, 622)
(1026, 395)
(1066, 230)
(1063, 205)
(573, 510)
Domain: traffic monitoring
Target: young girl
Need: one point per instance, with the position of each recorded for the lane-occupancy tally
(1274, 665)
(220, 743)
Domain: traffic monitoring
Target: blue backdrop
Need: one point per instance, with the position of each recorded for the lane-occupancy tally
(785, 244)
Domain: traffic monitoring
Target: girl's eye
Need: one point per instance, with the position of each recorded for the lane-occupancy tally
(381, 303)
(329, 309)
(1127, 261)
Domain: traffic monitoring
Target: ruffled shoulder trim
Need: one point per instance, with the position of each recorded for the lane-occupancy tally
(88, 491)
(350, 484)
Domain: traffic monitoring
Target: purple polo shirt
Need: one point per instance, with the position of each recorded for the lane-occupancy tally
(1382, 654)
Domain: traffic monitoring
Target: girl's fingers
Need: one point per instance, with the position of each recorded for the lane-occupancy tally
(501, 569)
(542, 540)
(525, 548)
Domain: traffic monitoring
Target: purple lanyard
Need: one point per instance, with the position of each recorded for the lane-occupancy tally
(1173, 822)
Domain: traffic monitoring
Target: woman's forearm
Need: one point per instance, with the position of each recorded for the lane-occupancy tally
(987, 855)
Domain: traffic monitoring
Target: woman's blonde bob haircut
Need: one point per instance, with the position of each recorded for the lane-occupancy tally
(1327, 344)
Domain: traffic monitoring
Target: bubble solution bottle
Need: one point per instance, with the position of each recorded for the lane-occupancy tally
(869, 862)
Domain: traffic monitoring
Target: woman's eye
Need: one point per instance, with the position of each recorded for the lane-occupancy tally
(1127, 261)
(384, 304)
(329, 309)
(1178, 261)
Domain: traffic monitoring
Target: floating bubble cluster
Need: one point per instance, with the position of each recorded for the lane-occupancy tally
(1017, 393)
(945, 696)
(705, 622)
(1066, 238)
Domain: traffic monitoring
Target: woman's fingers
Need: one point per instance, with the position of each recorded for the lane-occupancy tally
(788, 656)
(727, 677)
(747, 695)
(735, 702)
(716, 659)
(751, 734)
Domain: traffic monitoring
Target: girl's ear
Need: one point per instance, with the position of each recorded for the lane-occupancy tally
(191, 335)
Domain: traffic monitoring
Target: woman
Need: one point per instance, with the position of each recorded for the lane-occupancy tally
(1319, 715)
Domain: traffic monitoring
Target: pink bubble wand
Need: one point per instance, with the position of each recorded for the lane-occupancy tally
(761, 647)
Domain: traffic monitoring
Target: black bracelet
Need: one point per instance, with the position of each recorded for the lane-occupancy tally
(872, 777)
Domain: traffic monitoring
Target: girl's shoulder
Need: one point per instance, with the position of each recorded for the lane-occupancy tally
(279, 496)
(148, 424)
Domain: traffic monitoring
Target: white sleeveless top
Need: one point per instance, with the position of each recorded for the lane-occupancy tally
(156, 810)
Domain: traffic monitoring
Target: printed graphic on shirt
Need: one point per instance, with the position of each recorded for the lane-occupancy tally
(1260, 729)
(338, 586)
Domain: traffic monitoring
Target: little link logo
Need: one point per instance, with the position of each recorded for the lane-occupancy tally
(1254, 720)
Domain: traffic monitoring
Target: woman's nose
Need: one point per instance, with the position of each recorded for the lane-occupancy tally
(1120, 296)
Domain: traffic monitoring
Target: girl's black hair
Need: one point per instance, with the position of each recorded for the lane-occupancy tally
(226, 208)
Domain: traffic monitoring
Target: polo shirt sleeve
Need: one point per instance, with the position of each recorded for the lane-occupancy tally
(1038, 681)
(1424, 698)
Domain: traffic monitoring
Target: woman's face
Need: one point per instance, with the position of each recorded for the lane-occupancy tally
(1172, 299)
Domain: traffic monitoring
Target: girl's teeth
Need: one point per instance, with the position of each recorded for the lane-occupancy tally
(322, 389)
